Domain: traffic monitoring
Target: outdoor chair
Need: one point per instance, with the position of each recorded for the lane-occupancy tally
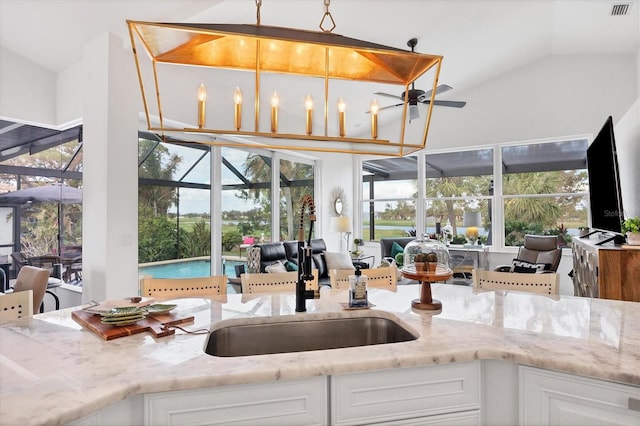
(184, 287)
(275, 281)
(16, 305)
(384, 277)
(539, 253)
(19, 260)
(534, 283)
(32, 278)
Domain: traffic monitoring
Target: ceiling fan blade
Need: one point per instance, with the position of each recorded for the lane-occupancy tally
(388, 95)
(454, 104)
(440, 89)
(387, 107)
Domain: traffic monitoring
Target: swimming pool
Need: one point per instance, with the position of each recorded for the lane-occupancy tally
(188, 269)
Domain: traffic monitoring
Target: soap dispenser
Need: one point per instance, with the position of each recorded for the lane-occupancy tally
(358, 290)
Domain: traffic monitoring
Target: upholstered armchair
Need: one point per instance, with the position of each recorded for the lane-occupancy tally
(540, 253)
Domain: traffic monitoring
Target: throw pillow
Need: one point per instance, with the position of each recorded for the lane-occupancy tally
(395, 249)
(338, 260)
(276, 267)
(522, 266)
(291, 266)
(253, 260)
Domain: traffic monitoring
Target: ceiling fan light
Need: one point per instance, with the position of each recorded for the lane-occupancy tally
(414, 113)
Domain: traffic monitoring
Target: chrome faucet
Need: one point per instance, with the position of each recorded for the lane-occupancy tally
(304, 255)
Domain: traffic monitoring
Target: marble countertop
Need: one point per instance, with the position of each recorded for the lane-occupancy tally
(54, 371)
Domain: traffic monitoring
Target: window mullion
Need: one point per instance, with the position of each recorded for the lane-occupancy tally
(497, 207)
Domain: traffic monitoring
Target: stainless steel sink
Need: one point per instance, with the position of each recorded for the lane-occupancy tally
(272, 337)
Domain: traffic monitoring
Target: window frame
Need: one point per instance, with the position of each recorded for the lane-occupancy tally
(497, 200)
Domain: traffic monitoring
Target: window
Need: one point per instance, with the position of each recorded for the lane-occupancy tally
(458, 183)
(544, 190)
(246, 199)
(389, 204)
(176, 220)
(539, 188)
(296, 181)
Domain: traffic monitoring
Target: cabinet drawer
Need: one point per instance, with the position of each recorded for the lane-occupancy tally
(405, 393)
(294, 402)
(552, 398)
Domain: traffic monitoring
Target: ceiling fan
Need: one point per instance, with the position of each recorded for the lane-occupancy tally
(416, 95)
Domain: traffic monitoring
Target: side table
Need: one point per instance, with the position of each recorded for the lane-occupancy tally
(426, 302)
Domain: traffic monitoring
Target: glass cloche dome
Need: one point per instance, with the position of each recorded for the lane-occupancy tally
(427, 246)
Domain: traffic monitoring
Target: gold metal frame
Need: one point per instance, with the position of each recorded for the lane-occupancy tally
(298, 52)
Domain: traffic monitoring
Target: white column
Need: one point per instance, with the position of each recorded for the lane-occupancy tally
(110, 206)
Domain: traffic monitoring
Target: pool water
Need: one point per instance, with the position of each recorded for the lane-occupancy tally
(188, 269)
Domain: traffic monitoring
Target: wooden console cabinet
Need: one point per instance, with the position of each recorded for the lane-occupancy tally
(606, 271)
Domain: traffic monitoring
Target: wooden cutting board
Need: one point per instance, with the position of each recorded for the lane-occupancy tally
(154, 324)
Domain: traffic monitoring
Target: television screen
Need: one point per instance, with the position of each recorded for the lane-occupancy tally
(605, 196)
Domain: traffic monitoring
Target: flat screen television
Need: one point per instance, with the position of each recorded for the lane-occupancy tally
(605, 195)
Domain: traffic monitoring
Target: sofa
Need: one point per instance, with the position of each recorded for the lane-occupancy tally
(386, 245)
(287, 251)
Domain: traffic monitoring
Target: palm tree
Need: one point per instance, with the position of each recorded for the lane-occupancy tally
(544, 211)
(257, 169)
(158, 165)
(454, 187)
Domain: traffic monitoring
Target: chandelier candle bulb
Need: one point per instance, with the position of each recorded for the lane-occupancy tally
(341, 113)
(202, 100)
(308, 105)
(237, 100)
(275, 102)
(374, 118)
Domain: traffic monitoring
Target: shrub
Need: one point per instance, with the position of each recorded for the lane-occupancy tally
(230, 240)
(156, 239)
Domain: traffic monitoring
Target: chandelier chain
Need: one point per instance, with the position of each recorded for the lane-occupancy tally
(258, 4)
(326, 15)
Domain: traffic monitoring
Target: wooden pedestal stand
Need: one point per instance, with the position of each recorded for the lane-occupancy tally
(426, 278)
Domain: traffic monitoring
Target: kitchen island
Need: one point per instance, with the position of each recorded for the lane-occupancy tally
(52, 371)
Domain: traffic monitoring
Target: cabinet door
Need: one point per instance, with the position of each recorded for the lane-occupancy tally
(551, 398)
(467, 418)
(405, 393)
(294, 402)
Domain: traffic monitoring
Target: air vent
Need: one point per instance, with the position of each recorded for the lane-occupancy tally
(619, 9)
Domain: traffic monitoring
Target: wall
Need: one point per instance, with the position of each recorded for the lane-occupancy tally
(337, 171)
(627, 134)
(27, 92)
(556, 96)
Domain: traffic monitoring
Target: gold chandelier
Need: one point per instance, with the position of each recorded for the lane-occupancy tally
(185, 63)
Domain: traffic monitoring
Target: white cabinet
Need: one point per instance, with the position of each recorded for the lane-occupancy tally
(407, 396)
(552, 398)
(293, 402)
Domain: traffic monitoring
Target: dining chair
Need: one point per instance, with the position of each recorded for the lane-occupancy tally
(16, 305)
(184, 287)
(384, 277)
(275, 282)
(32, 278)
(534, 283)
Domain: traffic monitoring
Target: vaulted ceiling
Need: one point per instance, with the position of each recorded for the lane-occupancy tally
(478, 39)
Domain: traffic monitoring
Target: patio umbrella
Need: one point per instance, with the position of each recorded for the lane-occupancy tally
(54, 193)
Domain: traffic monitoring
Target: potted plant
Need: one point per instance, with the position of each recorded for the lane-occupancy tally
(357, 242)
(432, 260)
(420, 261)
(631, 227)
(583, 230)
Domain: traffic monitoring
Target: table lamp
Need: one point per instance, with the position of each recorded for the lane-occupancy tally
(343, 225)
(472, 220)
